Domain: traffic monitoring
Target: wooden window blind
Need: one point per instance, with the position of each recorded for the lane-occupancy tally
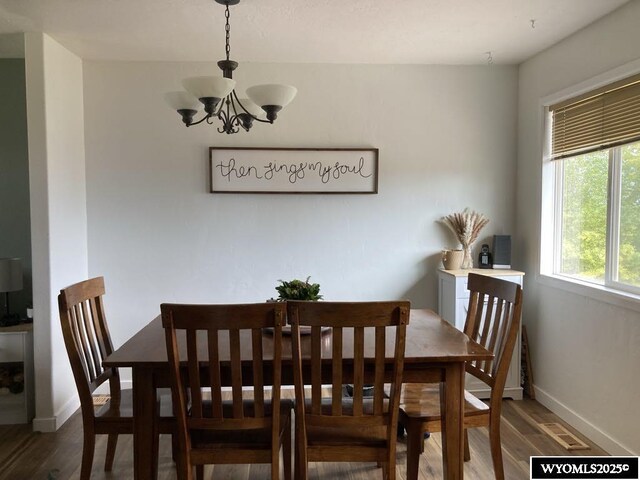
(600, 119)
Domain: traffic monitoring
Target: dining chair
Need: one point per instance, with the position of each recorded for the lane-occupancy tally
(249, 428)
(493, 320)
(339, 428)
(87, 340)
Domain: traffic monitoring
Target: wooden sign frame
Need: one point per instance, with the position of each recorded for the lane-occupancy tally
(293, 170)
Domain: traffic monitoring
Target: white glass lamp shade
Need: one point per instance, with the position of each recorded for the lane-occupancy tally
(250, 107)
(207, 87)
(276, 95)
(182, 101)
(10, 274)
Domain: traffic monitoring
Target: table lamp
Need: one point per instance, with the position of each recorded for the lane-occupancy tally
(10, 281)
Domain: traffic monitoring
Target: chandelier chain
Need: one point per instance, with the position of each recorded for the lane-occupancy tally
(227, 29)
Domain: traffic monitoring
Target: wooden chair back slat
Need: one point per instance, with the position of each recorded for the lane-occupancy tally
(83, 334)
(358, 370)
(195, 388)
(77, 326)
(503, 333)
(97, 310)
(92, 341)
(316, 370)
(491, 344)
(486, 326)
(236, 372)
(336, 372)
(279, 321)
(378, 385)
(258, 375)
(214, 374)
(84, 339)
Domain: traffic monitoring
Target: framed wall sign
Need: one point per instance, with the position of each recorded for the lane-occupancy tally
(294, 170)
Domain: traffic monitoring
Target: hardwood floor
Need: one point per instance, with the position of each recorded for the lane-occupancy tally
(56, 456)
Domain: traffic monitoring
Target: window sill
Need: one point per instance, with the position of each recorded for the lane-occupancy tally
(618, 298)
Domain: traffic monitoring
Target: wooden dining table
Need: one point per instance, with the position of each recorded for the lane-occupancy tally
(436, 352)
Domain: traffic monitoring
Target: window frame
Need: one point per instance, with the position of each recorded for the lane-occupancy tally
(612, 259)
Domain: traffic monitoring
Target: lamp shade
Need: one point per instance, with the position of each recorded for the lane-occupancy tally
(209, 87)
(276, 95)
(10, 274)
(182, 101)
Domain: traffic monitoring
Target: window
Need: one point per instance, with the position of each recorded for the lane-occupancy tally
(595, 142)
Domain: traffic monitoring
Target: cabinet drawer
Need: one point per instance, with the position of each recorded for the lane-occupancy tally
(11, 348)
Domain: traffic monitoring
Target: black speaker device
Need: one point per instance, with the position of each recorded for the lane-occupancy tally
(502, 251)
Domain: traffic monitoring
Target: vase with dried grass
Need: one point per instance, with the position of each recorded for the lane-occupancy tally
(466, 226)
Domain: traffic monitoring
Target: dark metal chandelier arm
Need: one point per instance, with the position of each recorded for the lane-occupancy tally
(235, 96)
(203, 119)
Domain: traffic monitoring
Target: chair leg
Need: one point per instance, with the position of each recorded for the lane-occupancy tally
(175, 448)
(390, 468)
(467, 452)
(385, 470)
(415, 445)
(88, 448)
(183, 469)
(496, 446)
(275, 463)
(199, 472)
(286, 450)
(300, 451)
(302, 466)
(112, 441)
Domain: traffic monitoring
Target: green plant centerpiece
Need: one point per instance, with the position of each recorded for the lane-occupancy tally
(298, 290)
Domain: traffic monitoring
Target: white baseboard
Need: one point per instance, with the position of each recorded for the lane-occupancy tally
(588, 429)
(52, 424)
(44, 424)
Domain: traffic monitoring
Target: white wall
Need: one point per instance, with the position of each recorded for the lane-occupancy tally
(447, 140)
(58, 213)
(585, 352)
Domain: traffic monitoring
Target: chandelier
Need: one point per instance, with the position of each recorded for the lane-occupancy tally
(220, 100)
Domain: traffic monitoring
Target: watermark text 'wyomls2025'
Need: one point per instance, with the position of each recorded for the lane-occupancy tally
(584, 468)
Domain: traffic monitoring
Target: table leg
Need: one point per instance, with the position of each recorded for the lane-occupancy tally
(452, 407)
(145, 462)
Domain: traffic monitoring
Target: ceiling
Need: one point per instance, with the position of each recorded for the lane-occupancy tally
(307, 31)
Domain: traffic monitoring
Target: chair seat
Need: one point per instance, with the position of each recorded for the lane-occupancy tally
(422, 401)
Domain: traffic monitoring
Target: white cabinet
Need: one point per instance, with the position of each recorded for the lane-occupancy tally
(16, 374)
(453, 303)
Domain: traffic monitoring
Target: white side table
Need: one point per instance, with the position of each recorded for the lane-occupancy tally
(16, 358)
(453, 303)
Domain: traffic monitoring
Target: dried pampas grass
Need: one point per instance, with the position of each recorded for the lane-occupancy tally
(466, 225)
